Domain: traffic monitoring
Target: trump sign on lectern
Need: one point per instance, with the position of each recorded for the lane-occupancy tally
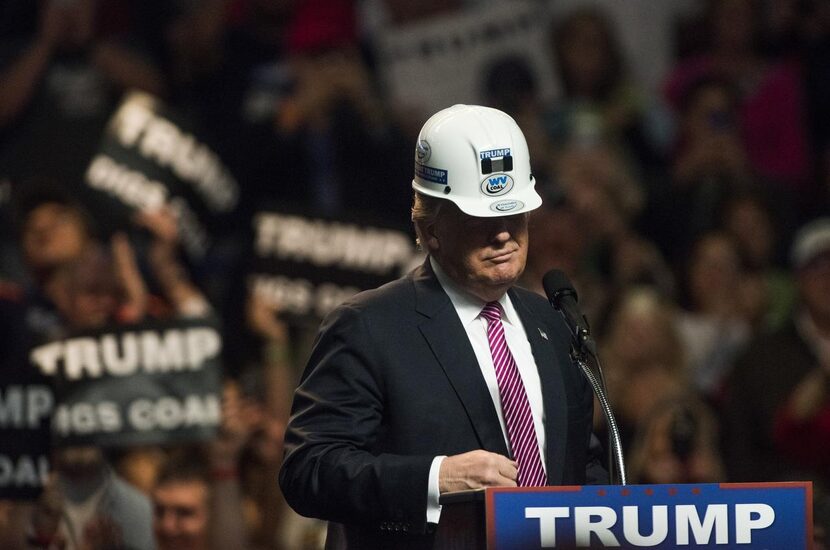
(746, 515)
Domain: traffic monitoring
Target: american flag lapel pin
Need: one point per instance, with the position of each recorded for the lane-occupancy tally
(542, 333)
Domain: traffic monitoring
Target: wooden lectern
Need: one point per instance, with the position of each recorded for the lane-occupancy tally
(463, 523)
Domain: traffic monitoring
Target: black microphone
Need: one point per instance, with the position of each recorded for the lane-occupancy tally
(563, 298)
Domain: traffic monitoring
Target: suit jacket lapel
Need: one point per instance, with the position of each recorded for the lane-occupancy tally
(449, 342)
(553, 395)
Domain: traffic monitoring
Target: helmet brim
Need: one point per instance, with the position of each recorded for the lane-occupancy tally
(483, 206)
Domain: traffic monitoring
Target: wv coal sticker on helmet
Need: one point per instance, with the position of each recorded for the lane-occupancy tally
(496, 184)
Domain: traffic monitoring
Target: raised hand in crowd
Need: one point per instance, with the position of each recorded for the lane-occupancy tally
(101, 533)
(186, 298)
(102, 287)
(322, 82)
(263, 320)
(278, 370)
(70, 26)
(227, 525)
(128, 276)
(235, 430)
(21, 77)
(46, 517)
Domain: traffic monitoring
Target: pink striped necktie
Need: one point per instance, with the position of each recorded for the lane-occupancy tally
(514, 403)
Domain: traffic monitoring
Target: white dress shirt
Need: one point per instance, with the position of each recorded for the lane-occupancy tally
(468, 308)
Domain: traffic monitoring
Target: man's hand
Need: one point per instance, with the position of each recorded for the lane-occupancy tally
(475, 470)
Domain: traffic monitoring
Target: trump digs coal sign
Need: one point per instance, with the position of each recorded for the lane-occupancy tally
(142, 384)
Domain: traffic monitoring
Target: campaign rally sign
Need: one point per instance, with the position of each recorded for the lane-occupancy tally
(306, 266)
(148, 159)
(152, 383)
(749, 515)
(26, 404)
(439, 61)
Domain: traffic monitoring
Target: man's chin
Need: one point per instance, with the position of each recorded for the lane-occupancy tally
(499, 281)
(506, 273)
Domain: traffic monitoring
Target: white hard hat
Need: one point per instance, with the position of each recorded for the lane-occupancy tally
(477, 158)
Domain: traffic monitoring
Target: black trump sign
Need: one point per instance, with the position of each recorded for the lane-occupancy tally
(306, 266)
(145, 384)
(25, 411)
(148, 159)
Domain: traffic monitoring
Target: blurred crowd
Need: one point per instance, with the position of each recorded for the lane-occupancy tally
(693, 217)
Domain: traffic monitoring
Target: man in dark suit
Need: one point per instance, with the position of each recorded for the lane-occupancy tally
(448, 378)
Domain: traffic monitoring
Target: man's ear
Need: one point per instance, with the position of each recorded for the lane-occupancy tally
(432, 242)
(427, 239)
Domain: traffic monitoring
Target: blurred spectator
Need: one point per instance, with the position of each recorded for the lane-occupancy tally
(270, 384)
(510, 85)
(197, 497)
(799, 32)
(181, 503)
(225, 60)
(60, 86)
(600, 102)
(805, 420)
(709, 166)
(643, 357)
(677, 442)
(714, 327)
(103, 289)
(778, 377)
(91, 507)
(709, 143)
(353, 154)
(750, 221)
(15, 519)
(55, 231)
(607, 201)
(555, 240)
(770, 94)
(803, 426)
(197, 508)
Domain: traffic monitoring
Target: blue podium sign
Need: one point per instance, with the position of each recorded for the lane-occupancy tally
(745, 515)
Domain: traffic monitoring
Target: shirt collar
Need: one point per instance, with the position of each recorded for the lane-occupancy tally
(468, 306)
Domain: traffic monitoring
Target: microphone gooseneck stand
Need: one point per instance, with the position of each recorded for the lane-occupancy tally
(563, 297)
(616, 461)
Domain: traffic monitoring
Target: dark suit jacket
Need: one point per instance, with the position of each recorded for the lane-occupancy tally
(393, 382)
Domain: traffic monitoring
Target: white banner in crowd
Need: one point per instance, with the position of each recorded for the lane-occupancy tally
(442, 61)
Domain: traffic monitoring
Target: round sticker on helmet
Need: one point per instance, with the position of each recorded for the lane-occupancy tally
(496, 184)
(423, 151)
(506, 206)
